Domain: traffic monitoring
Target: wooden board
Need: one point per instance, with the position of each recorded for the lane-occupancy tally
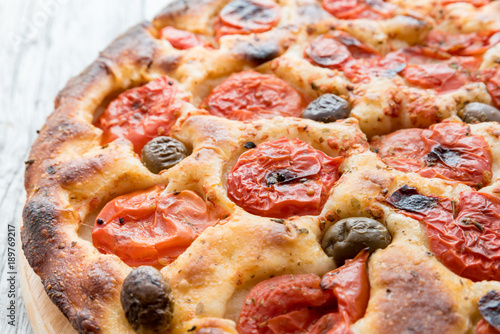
(44, 316)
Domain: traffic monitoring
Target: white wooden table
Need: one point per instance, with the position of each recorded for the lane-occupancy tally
(42, 44)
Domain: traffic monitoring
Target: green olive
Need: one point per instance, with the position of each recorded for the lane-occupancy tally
(476, 112)
(349, 236)
(147, 300)
(162, 153)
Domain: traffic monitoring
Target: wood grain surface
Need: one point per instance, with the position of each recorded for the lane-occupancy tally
(42, 44)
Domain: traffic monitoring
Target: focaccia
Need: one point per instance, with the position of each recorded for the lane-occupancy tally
(291, 166)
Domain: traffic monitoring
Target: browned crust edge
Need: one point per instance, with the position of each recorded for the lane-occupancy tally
(51, 250)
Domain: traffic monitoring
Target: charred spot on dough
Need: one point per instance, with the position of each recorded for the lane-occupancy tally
(80, 170)
(137, 44)
(168, 14)
(136, 47)
(183, 10)
(413, 299)
(257, 51)
(61, 130)
(40, 218)
(168, 63)
(101, 281)
(60, 290)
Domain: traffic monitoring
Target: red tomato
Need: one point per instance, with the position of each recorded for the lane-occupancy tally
(477, 3)
(358, 61)
(247, 16)
(492, 78)
(474, 235)
(248, 96)
(148, 227)
(446, 150)
(282, 178)
(472, 44)
(442, 76)
(363, 69)
(483, 327)
(334, 50)
(180, 39)
(359, 9)
(143, 113)
(355, 47)
(306, 303)
(468, 245)
(326, 51)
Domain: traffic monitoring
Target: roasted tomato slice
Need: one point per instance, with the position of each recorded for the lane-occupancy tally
(358, 61)
(359, 9)
(425, 67)
(327, 51)
(282, 178)
(471, 44)
(247, 16)
(483, 327)
(446, 150)
(180, 39)
(492, 78)
(149, 227)
(248, 96)
(308, 304)
(364, 68)
(143, 113)
(442, 76)
(465, 237)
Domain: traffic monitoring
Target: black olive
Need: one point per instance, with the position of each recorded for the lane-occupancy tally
(249, 145)
(147, 300)
(476, 112)
(327, 108)
(489, 307)
(349, 236)
(162, 153)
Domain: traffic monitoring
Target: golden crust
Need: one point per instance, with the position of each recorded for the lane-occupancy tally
(69, 176)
